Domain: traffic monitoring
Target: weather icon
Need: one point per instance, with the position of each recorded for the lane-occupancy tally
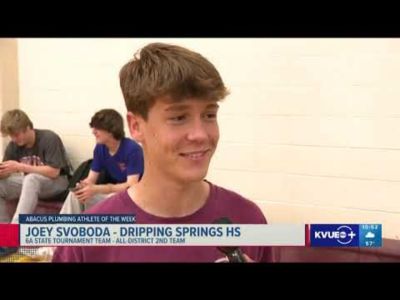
(370, 235)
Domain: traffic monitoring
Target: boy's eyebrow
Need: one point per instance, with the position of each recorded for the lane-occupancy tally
(177, 107)
(181, 107)
(213, 105)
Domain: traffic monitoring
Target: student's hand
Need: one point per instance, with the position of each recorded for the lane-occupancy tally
(85, 192)
(10, 166)
(79, 185)
(4, 173)
(84, 182)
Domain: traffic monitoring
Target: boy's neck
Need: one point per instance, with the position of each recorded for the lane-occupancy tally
(169, 199)
(32, 139)
(113, 146)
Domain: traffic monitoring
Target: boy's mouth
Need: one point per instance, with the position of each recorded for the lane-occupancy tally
(195, 155)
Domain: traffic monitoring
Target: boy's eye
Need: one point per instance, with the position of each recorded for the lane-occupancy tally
(178, 118)
(211, 115)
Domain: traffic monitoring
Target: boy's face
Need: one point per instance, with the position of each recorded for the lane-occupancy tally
(102, 136)
(21, 138)
(178, 139)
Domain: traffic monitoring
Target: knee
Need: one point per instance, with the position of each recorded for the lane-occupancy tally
(32, 180)
(3, 188)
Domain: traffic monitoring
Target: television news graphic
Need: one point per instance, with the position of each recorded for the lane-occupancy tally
(234, 254)
(345, 235)
(121, 230)
(370, 235)
(9, 235)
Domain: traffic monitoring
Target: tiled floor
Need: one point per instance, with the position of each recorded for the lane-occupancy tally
(24, 254)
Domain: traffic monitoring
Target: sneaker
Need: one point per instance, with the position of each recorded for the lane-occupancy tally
(4, 251)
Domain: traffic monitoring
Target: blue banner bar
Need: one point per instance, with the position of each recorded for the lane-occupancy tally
(346, 235)
(334, 235)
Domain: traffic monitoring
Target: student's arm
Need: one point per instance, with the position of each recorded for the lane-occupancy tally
(47, 171)
(91, 178)
(9, 155)
(4, 174)
(54, 157)
(134, 168)
(114, 188)
(89, 190)
(12, 166)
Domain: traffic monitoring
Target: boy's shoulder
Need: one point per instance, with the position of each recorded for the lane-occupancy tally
(236, 205)
(130, 144)
(45, 134)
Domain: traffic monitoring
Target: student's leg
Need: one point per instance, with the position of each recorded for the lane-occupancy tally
(96, 199)
(10, 189)
(72, 205)
(35, 185)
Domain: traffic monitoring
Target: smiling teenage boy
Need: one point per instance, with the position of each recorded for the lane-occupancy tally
(172, 94)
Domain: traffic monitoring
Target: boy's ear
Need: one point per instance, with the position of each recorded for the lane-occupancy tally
(135, 126)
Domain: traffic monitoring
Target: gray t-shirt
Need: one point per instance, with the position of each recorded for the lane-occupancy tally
(48, 150)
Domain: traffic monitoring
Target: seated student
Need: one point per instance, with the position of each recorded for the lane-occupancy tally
(119, 157)
(171, 94)
(34, 165)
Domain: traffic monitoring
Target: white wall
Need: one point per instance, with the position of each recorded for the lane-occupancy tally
(311, 130)
(9, 90)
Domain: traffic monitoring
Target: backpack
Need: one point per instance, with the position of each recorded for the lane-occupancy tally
(83, 171)
(80, 173)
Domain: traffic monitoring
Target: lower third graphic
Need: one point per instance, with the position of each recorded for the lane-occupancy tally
(334, 235)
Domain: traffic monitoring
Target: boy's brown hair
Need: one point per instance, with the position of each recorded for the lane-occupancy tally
(109, 120)
(14, 121)
(167, 70)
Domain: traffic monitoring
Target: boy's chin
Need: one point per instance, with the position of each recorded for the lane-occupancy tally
(194, 177)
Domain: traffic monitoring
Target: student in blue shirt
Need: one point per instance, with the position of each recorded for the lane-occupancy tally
(120, 158)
